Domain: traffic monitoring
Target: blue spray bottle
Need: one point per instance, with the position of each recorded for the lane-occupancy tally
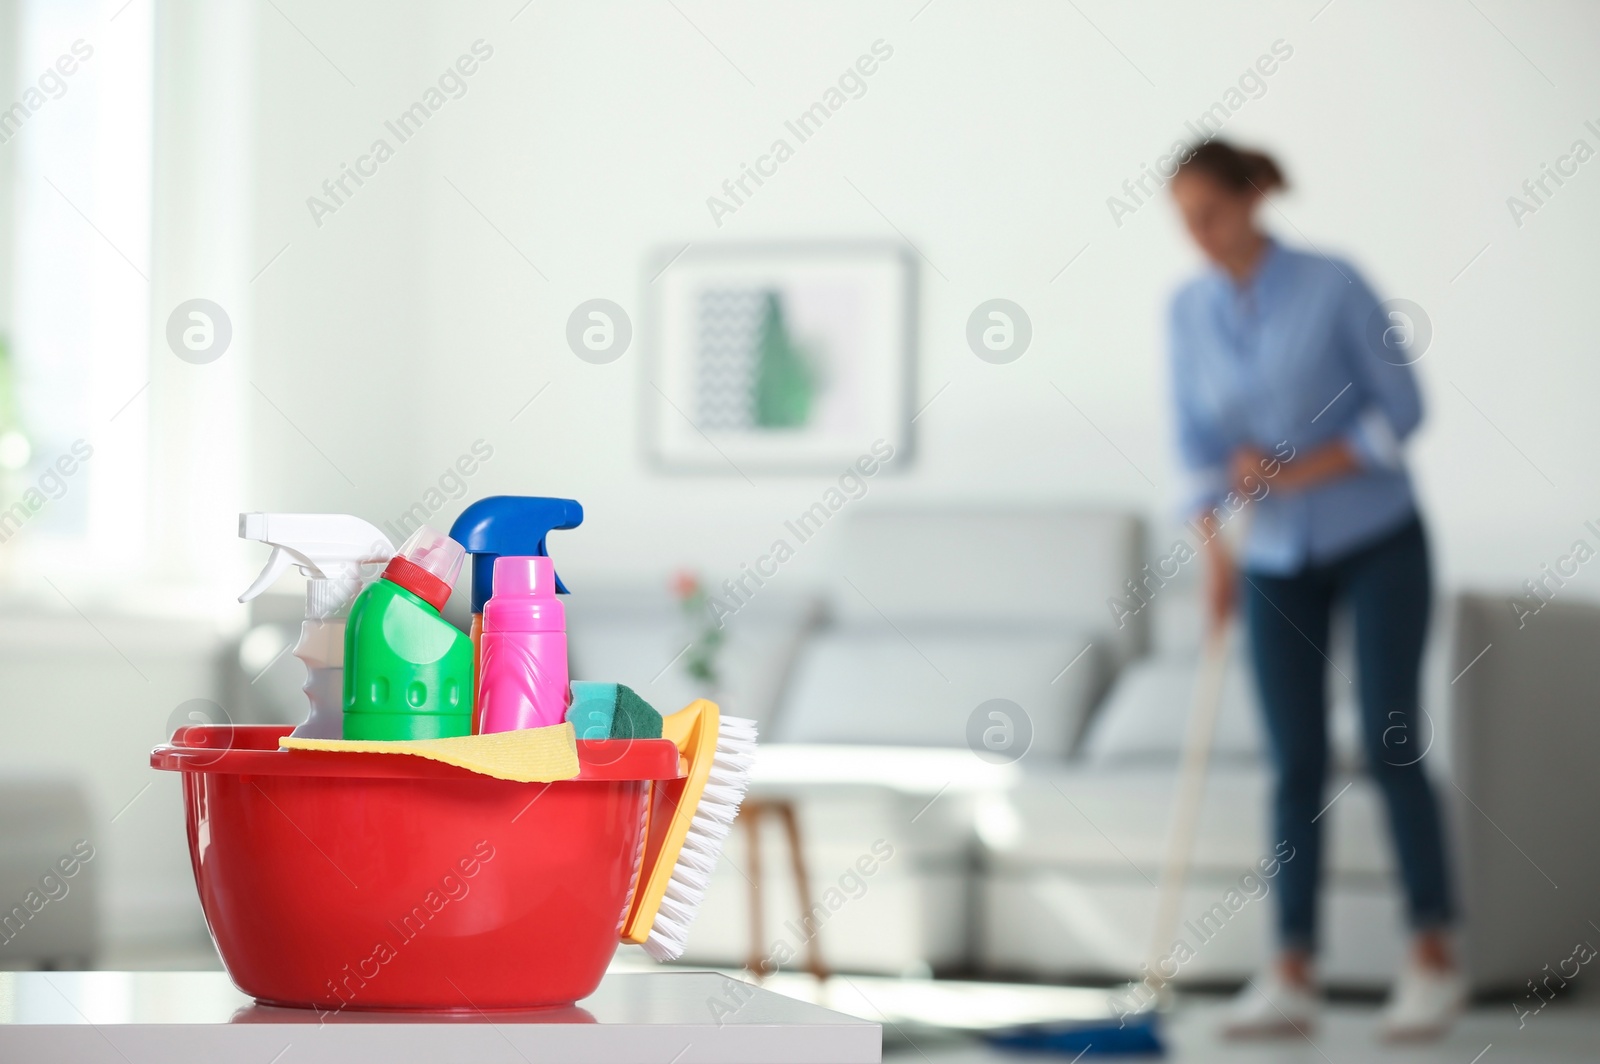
(507, 525)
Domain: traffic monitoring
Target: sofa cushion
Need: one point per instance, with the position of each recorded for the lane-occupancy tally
(1119, 821)
(1066, 925)
(1145, 717)
(1043, 566)
(920, 684)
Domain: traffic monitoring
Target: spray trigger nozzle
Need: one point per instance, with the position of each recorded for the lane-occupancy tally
(277, 563)
(333, 551)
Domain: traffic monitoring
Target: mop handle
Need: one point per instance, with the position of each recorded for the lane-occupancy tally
(1207, 706)
(1191, 789)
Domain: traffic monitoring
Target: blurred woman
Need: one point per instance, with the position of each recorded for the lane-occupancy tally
(1280, 379)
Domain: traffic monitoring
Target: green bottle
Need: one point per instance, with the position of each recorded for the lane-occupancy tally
(407, 670)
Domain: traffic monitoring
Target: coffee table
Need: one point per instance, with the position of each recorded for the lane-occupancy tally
(175, 1017)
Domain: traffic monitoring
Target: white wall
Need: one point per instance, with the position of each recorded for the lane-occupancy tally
(405, 327)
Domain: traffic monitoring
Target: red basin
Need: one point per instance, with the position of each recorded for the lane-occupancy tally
(346, 881)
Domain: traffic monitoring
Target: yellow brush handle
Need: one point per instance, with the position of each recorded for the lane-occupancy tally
(672, 806)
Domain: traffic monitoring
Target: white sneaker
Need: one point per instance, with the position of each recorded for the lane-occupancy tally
(1270, 1006)
(1424, 1004)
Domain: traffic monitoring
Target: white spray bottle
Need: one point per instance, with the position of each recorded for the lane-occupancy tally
(338, 555)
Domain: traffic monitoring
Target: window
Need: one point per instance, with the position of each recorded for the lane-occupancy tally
(75, 173)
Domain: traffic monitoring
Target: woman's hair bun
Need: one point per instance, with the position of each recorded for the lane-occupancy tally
(1236, 169)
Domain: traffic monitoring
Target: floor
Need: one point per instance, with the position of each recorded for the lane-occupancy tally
(1488, 1035)
(917, 1016)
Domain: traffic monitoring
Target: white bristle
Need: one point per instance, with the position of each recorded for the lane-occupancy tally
(700, 860)
(713, 817)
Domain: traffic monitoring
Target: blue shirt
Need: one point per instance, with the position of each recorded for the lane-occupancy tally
(1292, 358)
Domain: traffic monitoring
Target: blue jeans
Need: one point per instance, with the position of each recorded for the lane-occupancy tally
(1387, 587)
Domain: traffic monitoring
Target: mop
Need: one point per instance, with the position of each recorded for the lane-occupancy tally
(1135, 1031)
(1203, 713)
(1186, 815)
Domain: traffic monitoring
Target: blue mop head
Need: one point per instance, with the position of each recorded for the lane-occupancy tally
(1136, 1037)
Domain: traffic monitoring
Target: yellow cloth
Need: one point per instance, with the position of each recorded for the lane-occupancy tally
(532, 755)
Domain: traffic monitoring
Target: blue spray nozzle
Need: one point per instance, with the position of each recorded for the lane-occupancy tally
(509, 525)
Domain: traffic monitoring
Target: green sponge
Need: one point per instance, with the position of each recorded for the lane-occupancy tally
(635, 718)
(611, 711)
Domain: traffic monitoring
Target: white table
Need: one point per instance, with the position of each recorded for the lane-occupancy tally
(178, 1017)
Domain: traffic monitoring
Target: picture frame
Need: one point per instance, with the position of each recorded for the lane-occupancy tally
(779, 357)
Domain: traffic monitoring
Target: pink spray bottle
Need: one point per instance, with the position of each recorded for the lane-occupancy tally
(522, 667)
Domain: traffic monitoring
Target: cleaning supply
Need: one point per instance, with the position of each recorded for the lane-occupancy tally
(337, 554)
(611, 711)
(634, 718)
(1193, 766)
(533, 755)
(355, 881)
(508, 524)
(522, 654)
(689, 819)
(409, 671)
(592, 708)
(1138, 1038)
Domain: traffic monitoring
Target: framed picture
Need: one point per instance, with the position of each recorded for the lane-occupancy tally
(779, 357)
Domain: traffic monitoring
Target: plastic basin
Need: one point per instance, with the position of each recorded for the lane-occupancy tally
(345, 881)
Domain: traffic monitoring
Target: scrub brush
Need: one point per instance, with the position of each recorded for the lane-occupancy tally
(689, 819)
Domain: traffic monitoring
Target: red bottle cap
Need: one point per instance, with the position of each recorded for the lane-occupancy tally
(427, 565)
(417, 580)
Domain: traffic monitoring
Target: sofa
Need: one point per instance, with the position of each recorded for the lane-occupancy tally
(1041, 863)
(49, 880)
(1526, 712)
